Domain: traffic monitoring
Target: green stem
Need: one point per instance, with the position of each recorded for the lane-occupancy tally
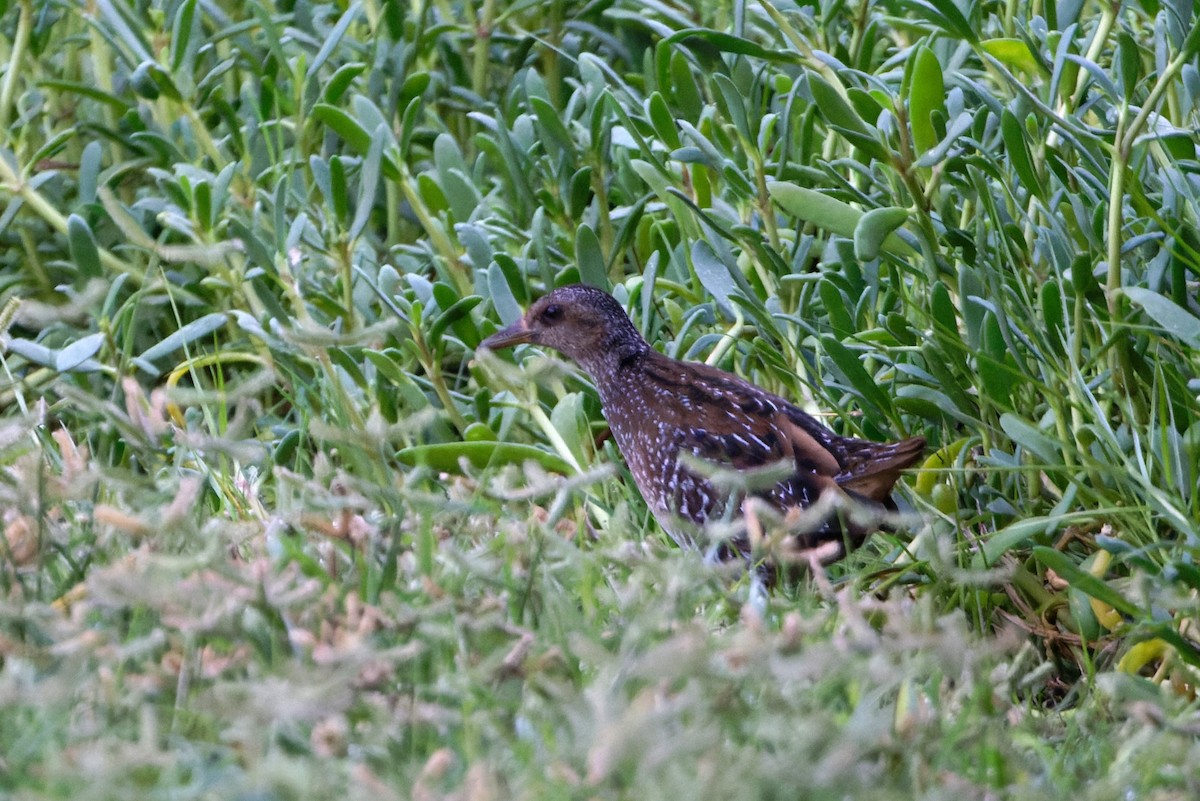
(560, 446)
(1152, 102)
(393, 214)
(479, 51)
(551, 61)
(20, 45)
(33, 262)
(556, 441)
(903, 166)
(860, 26)
(1119, 356)
(429, 363)
(459, 274)
(1116, 193)
(1010, 13)
(1124, 140)
(1108, 18)
(346, 263)
(803, 49)
(731, 336)
(765, 207)
(604, 224)
(1075, 378)
(372, 12)
(292, 292)
(100, 57)
(203, 137)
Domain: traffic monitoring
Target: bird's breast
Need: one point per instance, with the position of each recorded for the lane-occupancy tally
(651, 447)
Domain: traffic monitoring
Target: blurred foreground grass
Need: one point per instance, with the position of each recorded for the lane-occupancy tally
(271, 530)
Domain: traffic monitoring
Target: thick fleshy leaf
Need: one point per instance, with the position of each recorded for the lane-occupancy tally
(1013, 53)
(873, 229)
(829, 213)
(1083, 580)
(848, 364)
(926, 95)
(1170, 317)
(192, 332)
(589, 258)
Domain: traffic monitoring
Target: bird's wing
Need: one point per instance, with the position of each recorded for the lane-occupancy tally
(726, 420)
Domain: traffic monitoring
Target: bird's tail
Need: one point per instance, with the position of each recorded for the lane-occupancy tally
(874, 467)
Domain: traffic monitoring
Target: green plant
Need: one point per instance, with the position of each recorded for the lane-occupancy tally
(271, 525)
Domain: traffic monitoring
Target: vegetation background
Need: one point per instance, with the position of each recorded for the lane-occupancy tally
(274, 529)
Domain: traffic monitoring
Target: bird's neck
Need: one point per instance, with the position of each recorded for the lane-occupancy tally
(611, 364)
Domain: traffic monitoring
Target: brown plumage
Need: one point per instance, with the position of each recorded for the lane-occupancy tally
(659, 408)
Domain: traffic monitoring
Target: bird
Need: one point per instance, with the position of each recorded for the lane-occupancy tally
(669, 417)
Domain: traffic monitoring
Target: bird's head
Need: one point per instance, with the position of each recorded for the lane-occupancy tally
(581, 322)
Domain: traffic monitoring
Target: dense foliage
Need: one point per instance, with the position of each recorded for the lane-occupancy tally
(273, 527)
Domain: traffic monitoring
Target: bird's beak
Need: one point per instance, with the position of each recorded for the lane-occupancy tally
(516, 334)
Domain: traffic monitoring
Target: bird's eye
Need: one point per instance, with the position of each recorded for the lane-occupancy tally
(552, 313)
